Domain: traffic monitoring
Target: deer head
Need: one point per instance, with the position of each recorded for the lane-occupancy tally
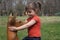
(14, 22)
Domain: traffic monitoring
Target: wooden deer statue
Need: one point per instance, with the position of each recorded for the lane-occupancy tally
(13, 22)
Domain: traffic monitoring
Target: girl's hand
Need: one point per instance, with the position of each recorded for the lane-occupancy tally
(12, 28)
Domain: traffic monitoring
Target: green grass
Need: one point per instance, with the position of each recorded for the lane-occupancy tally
(50, 28)
(50, 31)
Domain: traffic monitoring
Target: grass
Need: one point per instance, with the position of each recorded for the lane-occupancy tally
(50, 31)
(50, 28)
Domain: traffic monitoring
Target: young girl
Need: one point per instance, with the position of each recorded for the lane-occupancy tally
(33, 22)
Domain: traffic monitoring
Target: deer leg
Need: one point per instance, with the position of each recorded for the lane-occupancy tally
(12, 35)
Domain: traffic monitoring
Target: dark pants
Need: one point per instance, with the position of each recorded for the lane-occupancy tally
(32, 38)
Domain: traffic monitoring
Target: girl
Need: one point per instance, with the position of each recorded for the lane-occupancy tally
(33, 22)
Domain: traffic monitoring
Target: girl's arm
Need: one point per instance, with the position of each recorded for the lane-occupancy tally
(32, 22)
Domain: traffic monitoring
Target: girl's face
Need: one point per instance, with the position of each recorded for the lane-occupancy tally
(31, 13)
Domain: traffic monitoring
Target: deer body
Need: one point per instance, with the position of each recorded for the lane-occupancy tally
(13, 22)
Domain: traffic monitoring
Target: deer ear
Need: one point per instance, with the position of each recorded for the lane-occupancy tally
(10, 14)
